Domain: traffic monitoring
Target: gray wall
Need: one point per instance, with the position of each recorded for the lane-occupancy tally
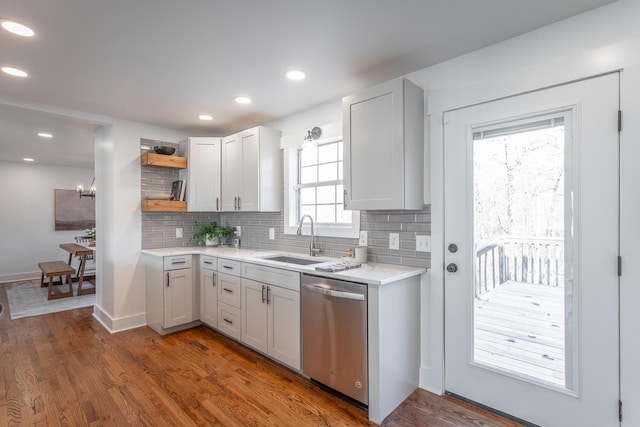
(158, 229)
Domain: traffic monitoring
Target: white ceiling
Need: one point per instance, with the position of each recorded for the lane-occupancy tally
(163, 62)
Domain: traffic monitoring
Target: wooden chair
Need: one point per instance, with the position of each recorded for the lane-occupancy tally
(52, 269)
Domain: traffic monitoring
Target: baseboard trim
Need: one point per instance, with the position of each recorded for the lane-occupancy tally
(120, 324)
(31, 275)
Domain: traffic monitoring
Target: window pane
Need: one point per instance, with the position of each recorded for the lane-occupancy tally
(340, 165)
(308, 210)
(326, 214)
(308, 156)
(308, 196)
(328, 172)
(327, 153)
(327, 194)
(340, 150)
(308, 174)
(342, 216)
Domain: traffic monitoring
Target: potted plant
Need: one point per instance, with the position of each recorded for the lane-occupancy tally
(211, 234)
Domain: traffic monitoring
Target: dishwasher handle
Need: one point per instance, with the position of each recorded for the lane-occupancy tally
(334, 293)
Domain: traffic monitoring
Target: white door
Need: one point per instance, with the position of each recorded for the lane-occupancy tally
(531, 250)
(178, 298)
(254, 314)
(284, 325)
(249, 197)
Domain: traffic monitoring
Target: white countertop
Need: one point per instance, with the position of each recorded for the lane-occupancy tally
(371, 273)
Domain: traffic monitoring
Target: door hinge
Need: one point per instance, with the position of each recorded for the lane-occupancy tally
(619, 266)
(619, 120)
(620, 410)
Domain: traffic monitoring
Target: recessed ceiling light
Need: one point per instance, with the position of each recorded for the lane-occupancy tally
(242, 99)
(296, 75)
(28, 159)
(17, 28)
(205, 117)
(45, 135)
(14, 72)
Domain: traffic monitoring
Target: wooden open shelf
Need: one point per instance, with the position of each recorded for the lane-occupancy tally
(163, 206)
(163, 161)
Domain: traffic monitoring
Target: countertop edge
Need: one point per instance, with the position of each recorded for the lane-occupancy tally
(370, 273)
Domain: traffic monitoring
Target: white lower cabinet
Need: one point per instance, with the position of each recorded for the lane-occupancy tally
(229, 313)
(170, 294)
(271, 317)
(208, 291)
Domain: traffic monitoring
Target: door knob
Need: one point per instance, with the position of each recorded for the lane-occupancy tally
(453, 248)
(452, 268)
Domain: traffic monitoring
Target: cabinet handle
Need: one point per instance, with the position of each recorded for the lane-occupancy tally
(214, 280)
(268, 295)
(227, 290)
(168, 280)
(235, 203)
(178, 262)
(238, 202)
(228, 267)
(208, 262)
(217, 204)
(263, 298)
(227, 320)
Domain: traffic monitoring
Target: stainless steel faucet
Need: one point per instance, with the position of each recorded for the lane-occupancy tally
(312, 249)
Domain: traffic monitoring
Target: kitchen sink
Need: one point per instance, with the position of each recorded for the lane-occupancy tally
(293, 260)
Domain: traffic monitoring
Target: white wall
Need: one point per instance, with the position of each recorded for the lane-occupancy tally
(28, 233)
(599, 41)
(120, 299)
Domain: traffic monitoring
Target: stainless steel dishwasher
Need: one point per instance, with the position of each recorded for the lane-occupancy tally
(334, 335)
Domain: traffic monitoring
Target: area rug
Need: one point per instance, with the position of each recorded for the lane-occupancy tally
(28, 299)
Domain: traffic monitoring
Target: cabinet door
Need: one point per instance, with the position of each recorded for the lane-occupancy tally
(250, 177)
(254, 314)
(284, 326)
(373, 148)
(178, 297)
(209, 294)
(231, 172)
(203, 174)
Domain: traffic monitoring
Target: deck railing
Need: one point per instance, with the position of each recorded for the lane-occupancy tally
(520, 259)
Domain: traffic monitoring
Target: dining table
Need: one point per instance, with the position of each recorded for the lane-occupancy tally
(84, 252)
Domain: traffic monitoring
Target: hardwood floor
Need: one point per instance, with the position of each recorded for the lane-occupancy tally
(66, 369)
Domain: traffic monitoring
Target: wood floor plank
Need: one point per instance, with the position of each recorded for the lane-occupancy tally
(66, 369)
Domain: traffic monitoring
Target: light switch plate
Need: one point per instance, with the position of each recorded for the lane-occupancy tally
(178, 233)
(363, 239)
(394, 241)
(238, 231)
(272, 233)
(423, 243)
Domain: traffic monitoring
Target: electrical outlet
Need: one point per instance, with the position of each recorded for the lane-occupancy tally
(394, 241)
(363, 239)
(272, 233)
(178, 233)
(423, 243)
(238, 231)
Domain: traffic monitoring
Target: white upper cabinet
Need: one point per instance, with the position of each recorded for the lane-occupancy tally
(252, 171)
(203, 173)
(384, 147)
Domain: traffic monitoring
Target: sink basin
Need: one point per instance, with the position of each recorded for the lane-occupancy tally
(293, 260)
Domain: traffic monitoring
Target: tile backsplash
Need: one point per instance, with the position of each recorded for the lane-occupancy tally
(159, 228)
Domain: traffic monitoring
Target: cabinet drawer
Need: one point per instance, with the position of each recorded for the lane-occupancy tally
(208, 262)
(229, 267)
(176, 262)
(229, 320)
(229, 289)
(272, 276)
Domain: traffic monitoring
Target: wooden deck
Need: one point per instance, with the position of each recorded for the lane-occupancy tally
(520, 328)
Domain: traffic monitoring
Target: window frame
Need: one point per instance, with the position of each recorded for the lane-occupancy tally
(292, 205)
